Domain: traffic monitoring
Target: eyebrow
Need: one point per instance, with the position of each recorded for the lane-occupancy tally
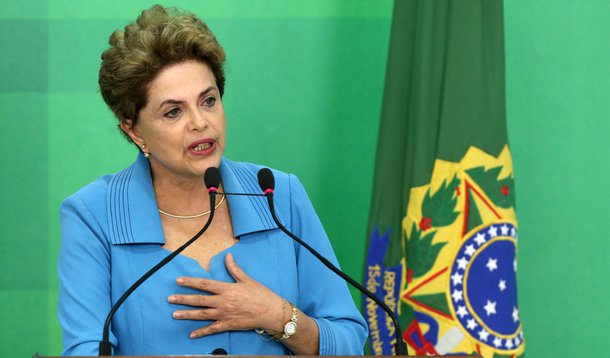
(175, 101)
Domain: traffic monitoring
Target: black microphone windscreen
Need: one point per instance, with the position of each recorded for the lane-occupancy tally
(219, 351)
(266, 179)
(212, 178)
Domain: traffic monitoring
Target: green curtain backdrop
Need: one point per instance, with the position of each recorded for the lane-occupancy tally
(558, 86)
(304, 94)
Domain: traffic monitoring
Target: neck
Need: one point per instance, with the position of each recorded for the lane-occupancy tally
(182, 196)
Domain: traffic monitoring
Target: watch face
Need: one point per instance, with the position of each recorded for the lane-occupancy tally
(290, 328)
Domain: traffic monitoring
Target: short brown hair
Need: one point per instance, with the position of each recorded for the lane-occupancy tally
(160, 37)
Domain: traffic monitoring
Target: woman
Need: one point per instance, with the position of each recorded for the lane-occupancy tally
(243, 287)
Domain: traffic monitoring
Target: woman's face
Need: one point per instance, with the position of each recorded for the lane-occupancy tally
(183, 124)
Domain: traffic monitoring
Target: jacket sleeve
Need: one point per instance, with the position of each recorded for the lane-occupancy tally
(84, 279)
(323, 295)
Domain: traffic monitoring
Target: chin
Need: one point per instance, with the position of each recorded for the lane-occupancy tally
(211, 162)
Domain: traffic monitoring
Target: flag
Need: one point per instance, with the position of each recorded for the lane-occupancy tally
(442, 229)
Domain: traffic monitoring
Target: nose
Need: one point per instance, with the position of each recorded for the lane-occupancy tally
(198, 120)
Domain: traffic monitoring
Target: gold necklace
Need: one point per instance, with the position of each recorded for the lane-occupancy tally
(192, 216)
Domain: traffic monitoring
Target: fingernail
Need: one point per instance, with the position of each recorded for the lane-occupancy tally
(193, 335)
(177, 315)
(171, 299)
(180, 280)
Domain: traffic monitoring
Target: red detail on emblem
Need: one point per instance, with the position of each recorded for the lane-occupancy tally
(426, 348)
(408, 297)
(425, 223)
(505, 190)
(466, 210)
(457, 191)
(467, 205)
(478, 348)
(409, 275)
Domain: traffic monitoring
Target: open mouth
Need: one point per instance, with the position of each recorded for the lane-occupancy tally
(204, 147)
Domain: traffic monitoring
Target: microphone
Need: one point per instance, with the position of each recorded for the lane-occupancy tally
(266, 181)
(219, 351)
(212, 182)
(211, 178)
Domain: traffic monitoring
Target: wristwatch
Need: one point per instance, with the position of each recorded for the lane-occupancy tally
(290, 327)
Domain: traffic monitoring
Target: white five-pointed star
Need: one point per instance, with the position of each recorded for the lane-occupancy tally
(515, 265)
(517, 342)
(470, 250)
(512, 232)
(509, 343)
(504, 230)
(493, 231)
(462, 263)
(483, 334)
(515, 314)
(492, 264)
(456, 278)
(479, 239)
(497, 342)
(472, 324)
(502, 285)
(462, 311)
(457, 295)
(490, 308)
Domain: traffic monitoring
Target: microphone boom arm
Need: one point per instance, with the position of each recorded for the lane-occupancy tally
(400, 347)
(105, 346)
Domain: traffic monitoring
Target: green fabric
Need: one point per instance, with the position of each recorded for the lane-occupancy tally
(444, 92)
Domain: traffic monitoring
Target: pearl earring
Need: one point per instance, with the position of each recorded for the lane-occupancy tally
(147, 155)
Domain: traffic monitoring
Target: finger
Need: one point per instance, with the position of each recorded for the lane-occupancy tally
(201, 284)
(238, 274)
(194, 300)
(205, 314)
(215, 327)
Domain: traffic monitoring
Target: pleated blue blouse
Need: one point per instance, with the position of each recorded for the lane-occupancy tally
(111, 234)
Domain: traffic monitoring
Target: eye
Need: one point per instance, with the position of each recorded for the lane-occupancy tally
(209, 101)
(175, 112)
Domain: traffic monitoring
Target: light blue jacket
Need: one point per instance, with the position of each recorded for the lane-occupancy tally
(112, 234)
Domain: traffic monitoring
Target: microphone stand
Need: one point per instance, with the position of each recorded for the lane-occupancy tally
(105, 346)
(400, 346)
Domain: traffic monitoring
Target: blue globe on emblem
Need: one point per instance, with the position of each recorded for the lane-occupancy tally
(483, 287)
(491, 287)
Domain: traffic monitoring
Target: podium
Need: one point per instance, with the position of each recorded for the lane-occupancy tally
(208, 356)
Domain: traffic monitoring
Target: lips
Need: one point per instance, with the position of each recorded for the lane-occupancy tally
(202, 147)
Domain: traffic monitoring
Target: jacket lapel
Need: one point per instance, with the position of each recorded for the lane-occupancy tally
(133, 216)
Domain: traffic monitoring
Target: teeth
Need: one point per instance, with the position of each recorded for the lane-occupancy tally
(202, 146)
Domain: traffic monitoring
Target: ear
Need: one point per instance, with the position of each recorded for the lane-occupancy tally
(130, 129)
